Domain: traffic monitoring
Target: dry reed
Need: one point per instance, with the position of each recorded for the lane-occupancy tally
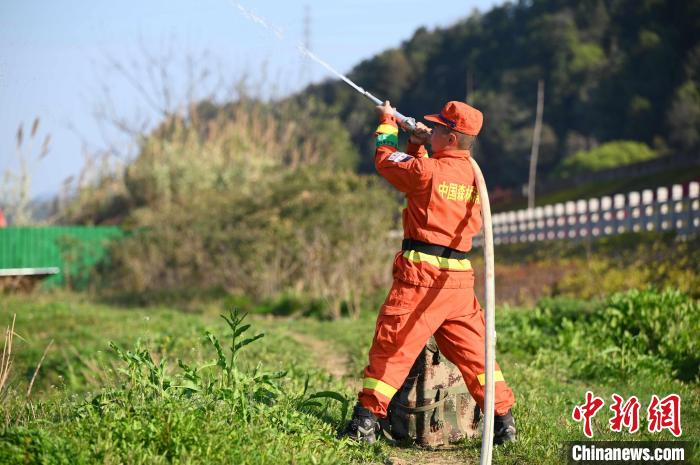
(6, 361)
(36, 371)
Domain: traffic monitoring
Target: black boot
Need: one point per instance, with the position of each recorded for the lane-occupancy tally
(363, 426)
(503, 428)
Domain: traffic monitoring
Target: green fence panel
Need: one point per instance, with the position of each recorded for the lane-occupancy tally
(75, 250)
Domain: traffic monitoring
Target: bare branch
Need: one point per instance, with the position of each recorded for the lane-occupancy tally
(136, 84)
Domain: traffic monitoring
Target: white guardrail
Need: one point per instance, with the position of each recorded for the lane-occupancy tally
(665, 209)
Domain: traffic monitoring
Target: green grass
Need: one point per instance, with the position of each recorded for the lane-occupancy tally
(91, 406)
(84, 410)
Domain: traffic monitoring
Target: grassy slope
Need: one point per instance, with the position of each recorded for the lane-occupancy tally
(164, 430)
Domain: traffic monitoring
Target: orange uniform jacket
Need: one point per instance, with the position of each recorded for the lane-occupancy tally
(443, 204)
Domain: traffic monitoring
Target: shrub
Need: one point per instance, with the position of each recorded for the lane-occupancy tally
(229, 150)
(659, 324)
(252, 199)
(299, 234)
(637, 331)
(608, 155)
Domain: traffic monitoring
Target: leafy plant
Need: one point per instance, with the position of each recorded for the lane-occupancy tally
(144, 374)
(244, 390)
(633, 332)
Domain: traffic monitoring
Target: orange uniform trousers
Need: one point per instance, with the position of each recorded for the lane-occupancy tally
(409, 316)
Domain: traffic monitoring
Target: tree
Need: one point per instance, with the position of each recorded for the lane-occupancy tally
(683, 118)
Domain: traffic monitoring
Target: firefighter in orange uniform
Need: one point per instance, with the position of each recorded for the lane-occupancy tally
(433, 289)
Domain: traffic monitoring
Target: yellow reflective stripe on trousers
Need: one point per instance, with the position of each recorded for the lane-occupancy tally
(497, 375)
(387, 129)
(379, 386)
(440, 262)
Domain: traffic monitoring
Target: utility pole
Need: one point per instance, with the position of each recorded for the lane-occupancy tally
(535, 145)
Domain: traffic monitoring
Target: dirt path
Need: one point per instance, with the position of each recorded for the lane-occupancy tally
(337, 364)
(327, 356)
(421, 457)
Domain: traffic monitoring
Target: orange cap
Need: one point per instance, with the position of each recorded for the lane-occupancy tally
(459, 117)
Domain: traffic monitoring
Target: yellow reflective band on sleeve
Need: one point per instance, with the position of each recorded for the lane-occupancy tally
(439, 262)
(498, 376)
(387, 129)
(379, 386)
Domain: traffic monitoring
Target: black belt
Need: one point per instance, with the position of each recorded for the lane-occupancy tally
(432, 249)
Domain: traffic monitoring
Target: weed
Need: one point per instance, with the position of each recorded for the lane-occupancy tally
(213, 411)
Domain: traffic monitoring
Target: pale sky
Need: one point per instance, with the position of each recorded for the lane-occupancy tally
(54, 58)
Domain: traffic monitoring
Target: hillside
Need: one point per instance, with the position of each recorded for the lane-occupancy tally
(627, 70)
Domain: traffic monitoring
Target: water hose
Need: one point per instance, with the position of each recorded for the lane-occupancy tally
(490, 318)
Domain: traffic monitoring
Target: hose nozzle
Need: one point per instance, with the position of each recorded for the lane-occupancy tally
(407, 123)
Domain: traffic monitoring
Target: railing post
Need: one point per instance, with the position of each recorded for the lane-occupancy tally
(662, 209)
(635, 211)
(677, 207)
(694, 207)
(606, 214)
(594, 217)
(550, 222)
(620, 214)
(648, 210)
(539, 224)
(583, 219)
